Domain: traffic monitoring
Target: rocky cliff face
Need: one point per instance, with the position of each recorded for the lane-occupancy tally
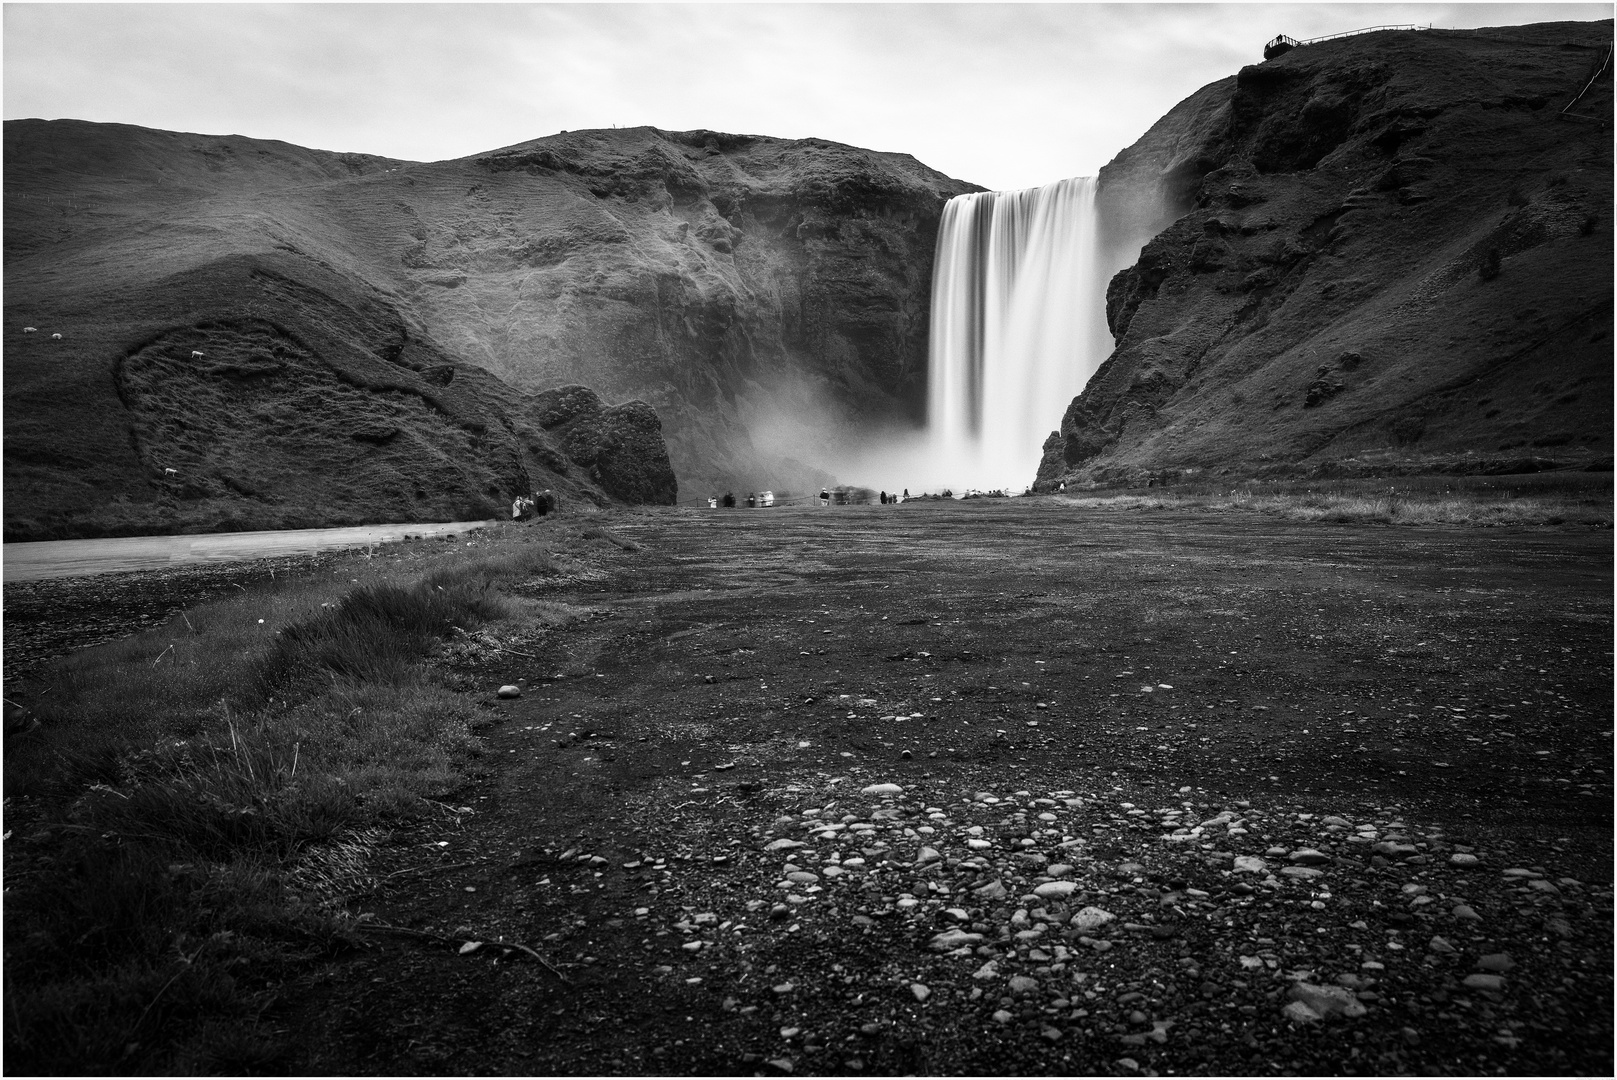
(1378, 255)
(380, 337)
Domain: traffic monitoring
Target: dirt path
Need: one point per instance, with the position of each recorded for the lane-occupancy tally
(1163, 778)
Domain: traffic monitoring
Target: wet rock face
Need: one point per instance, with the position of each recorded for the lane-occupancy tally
(695, 269)
(1344, 281)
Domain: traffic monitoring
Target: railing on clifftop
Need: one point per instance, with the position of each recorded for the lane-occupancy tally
(1283, 44)
(1601, 68)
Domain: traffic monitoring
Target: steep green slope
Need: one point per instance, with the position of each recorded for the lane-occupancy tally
(1386, 254)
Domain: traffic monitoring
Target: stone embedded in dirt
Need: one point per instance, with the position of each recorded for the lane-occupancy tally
(921, 991)
(990, 970)
(1499, 961)
(1250, 864)
(1091, 917)
(994, 890)
(949, 940)
(783, 844)
(1440, 945)
(1022, 985)
(1460, 858)
(1480, 981)
(470, 947)
(1300, 1013)
(1466, 912)
(1392, 850)
(783, 988)
(1002, 1017)
(1051, 1034)
(1327, 1001)
(1055, 890)
(1059, 870)
(1304, 872)
(783, 1064)
(1309, 857)
(509, 691)
(883, 789)
(927, 855)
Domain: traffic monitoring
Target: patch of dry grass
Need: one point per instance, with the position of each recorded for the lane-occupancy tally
(188, 784)
(1472, 508)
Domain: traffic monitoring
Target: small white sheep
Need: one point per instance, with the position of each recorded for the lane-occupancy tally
(56, 337)
(196, 354)
(30, 329)
(171, 472)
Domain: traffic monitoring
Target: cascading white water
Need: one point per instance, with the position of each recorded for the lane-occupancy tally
(1018, 326)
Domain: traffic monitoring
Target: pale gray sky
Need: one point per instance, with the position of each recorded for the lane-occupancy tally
(1004, 95)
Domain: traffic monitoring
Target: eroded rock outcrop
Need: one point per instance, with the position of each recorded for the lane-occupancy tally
(1381, 254)
(620, 447)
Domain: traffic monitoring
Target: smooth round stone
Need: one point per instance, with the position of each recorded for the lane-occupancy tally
(509, 691)
(1460, 858)
(1301, 872)
(883, 789)
(1058, 870)
(1022, 984)
(1055, 890)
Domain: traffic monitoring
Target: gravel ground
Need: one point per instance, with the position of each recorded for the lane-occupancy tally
(1005, 788)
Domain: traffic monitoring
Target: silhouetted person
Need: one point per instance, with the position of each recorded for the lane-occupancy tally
(729, 499)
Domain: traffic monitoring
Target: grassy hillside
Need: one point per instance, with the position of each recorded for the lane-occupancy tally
(701, 273)
(1387, 255)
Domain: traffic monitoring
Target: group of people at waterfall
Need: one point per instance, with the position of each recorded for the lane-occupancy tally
(826, 497)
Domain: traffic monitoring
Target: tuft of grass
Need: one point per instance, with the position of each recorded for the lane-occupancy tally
(199, 793)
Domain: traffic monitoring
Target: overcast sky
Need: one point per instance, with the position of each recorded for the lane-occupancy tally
(998, 94)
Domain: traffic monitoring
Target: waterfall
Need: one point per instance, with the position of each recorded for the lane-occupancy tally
(1018, 326)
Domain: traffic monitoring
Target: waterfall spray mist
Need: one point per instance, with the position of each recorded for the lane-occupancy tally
(1018, 326)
